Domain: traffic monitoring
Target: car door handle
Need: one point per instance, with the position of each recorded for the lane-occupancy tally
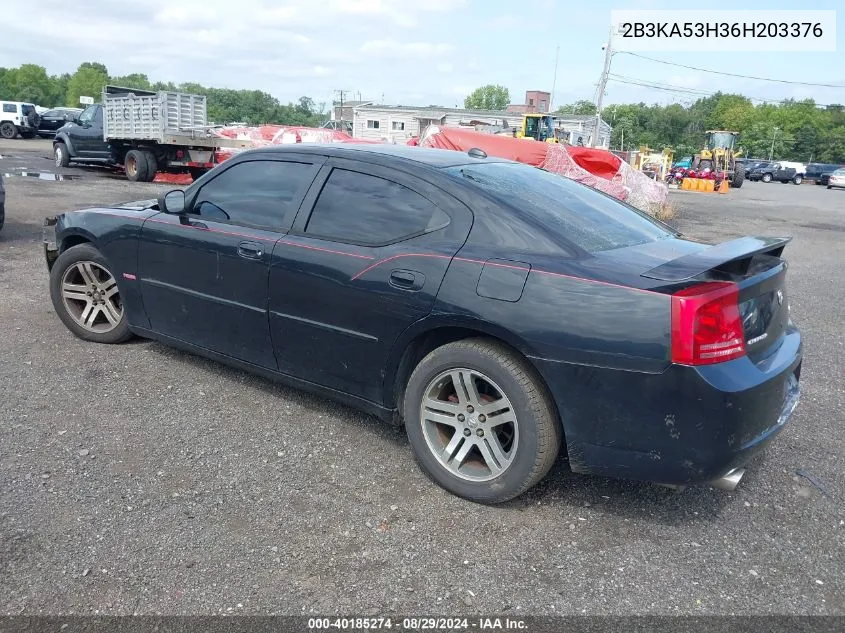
(406, 279)
(250, 250)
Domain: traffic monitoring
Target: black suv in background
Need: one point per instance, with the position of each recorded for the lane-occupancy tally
(752, 164)
(52, 120)
(819, 173)
(776, 172)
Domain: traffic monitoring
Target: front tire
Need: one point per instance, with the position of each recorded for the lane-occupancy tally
(738, 178)
(61, 155)
(798, 180)
(767, 178)
(86, 296)
(480, 421)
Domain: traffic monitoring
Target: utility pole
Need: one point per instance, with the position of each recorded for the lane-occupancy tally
(341, 92)
(602, 83)
(554, 81)
(772, 150)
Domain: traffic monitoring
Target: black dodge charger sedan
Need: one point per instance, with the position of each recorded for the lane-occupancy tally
(501, 312)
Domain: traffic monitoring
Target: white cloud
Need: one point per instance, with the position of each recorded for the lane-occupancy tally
(687, 80)
(394, 48)
(445, 67)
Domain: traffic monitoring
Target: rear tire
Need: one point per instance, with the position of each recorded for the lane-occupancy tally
(766, 178)
(798, 180)
(86, 296)
(152, 166)
(2, 214)
(135, 165)
(61, 155)
(830, 186)
(486, 460)
(8, 130)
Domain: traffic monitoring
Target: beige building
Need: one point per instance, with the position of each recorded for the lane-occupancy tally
(397, 124)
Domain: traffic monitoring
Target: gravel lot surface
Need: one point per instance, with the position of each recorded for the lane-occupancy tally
(138, 479)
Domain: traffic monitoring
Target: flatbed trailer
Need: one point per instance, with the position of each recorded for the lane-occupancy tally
(144, 131)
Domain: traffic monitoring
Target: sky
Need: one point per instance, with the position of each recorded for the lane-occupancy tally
(409, 52)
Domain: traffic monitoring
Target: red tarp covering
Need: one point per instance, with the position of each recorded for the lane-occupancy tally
(529, 152)
(596, 161)
(596, 168)
(264, 135)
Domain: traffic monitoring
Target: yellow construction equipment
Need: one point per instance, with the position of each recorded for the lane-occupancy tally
(539, 126)
(655, 164)
(719, 156)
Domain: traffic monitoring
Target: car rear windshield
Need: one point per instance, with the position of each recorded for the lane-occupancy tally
(584, 216)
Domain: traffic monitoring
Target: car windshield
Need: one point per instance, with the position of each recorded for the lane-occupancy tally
(839, 172)
(583, 216)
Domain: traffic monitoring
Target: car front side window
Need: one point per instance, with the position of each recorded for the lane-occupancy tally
(262, 194)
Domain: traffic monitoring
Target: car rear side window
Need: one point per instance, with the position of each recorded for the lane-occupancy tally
(363, 209)
(259, 193)
(10, 107)
(585, 217)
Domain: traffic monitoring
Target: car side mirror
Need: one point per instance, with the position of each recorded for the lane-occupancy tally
(172, 202)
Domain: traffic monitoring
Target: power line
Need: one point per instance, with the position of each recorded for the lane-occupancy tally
(721, 72)
(645, 83)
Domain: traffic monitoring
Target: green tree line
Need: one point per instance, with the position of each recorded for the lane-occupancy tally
(792, 130)
(31, 83)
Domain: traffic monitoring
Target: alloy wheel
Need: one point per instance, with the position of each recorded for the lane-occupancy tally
(91, 297)
(469, 424)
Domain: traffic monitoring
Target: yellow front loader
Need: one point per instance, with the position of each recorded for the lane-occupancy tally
(540, 127)
(719, 154)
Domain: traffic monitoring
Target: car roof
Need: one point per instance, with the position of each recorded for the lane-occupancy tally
(436, 158)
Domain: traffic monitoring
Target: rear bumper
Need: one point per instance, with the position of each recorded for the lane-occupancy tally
(684, 426)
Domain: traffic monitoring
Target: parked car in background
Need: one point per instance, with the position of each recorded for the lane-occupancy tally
(836, 179)
(52, 120)
(820, 172)
(17, 117)
(777, 173)
(751, 165)
(500, 311)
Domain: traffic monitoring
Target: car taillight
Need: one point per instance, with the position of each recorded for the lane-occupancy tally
(706, 326)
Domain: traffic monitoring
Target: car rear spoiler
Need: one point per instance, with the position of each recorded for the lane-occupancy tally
(733, 256)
